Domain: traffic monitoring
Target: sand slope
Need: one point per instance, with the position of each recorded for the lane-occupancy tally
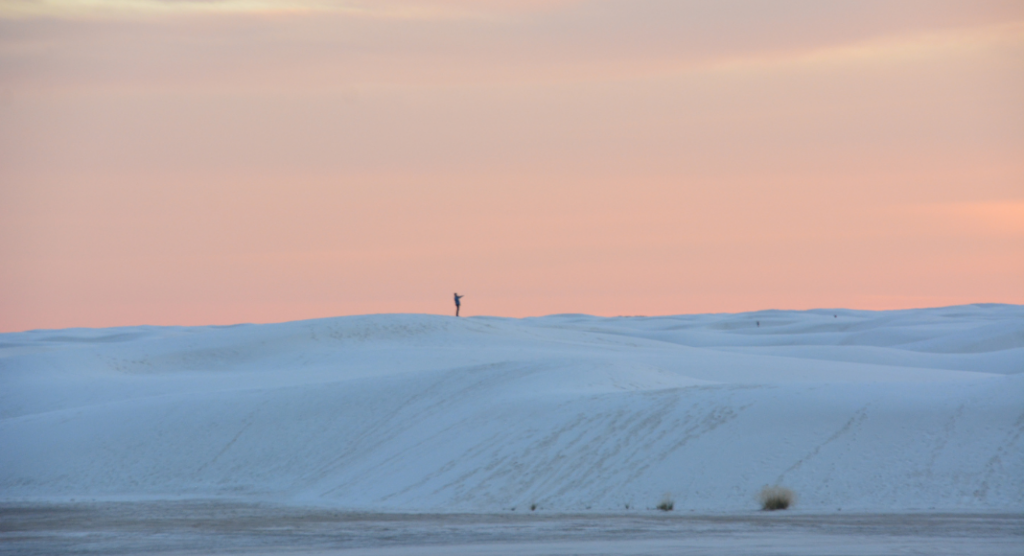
(873, 411)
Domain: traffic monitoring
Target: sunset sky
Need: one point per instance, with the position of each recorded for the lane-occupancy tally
(213, 162)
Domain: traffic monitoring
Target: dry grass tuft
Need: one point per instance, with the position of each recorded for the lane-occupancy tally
(667, 504)
(776, 498)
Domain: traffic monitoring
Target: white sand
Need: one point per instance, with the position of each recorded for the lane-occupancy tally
(865, 411)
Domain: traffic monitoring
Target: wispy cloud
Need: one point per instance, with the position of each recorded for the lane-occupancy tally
(397, 9)
(914, 45)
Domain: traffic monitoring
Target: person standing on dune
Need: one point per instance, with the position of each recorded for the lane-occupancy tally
(458, 303)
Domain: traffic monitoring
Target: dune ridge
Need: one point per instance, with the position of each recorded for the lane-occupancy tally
(860, 410)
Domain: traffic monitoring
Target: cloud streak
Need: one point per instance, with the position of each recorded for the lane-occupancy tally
(387, 9)
(586, 42)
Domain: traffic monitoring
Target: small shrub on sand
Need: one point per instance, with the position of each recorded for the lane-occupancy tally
(666, 504)
(776, 498)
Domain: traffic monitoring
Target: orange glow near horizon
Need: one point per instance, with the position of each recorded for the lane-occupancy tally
(196, 163)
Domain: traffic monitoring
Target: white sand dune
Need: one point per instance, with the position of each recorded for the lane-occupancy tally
(869, 411)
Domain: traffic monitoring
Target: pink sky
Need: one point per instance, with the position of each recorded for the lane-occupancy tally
(256, 161)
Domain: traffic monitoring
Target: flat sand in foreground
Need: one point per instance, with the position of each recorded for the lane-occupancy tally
(215, 527)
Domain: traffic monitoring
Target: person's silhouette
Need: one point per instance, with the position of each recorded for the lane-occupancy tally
(458, 303)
